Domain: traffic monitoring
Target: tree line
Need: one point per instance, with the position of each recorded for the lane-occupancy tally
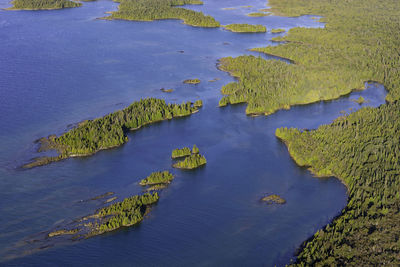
(363, 150)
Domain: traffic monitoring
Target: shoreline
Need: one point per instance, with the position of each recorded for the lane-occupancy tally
(42, 161)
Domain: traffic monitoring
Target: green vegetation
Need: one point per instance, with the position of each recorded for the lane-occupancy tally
(125, 213)
(42, 4)
(198, 104)
(277, 30)
(156, 187)
(110, 131)
(328, 62)
(154, 178)
(245, 28)
(258, 14)
(181, 152)
(273, 199)
(128, 212)
(195, 150)
(184, 152)
(359, 43)
(148, 10)
(360, 100)
(192, 81)
(270, 85)
(191, 162)
(361, 149)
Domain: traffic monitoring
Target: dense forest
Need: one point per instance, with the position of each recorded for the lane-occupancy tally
(358, 44)
(110, 131)
(181, 152)
(43, 4)
(148, 10)
(184, 152)
(236, 27)
(192, 158)
(128, 212)
(154, 178)
(191, 162)
(363, 150)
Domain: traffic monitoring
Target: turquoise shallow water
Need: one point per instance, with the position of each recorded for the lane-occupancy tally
(61, 67)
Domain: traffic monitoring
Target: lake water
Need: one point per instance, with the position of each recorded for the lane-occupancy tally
(61, 67)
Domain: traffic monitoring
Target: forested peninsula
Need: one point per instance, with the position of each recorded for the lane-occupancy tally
(363, 150)
(42, 4)
(110, 131)
(359, 43)
(149, 10)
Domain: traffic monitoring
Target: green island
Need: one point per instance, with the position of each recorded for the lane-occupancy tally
(359, 100)
(192, 158)
(192, 81)
(273, 199)
(128, 212)
(149, 10)
(42, 4)
(154, 178)
(245, 28)
(198, 103)
(277, 30)
(191, 162)
(258, 14)
(362, 150)
(328, 62)
(181, 152)
(184, 152)
(109, 131)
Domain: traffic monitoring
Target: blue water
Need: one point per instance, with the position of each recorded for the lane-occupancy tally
(61, 67)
